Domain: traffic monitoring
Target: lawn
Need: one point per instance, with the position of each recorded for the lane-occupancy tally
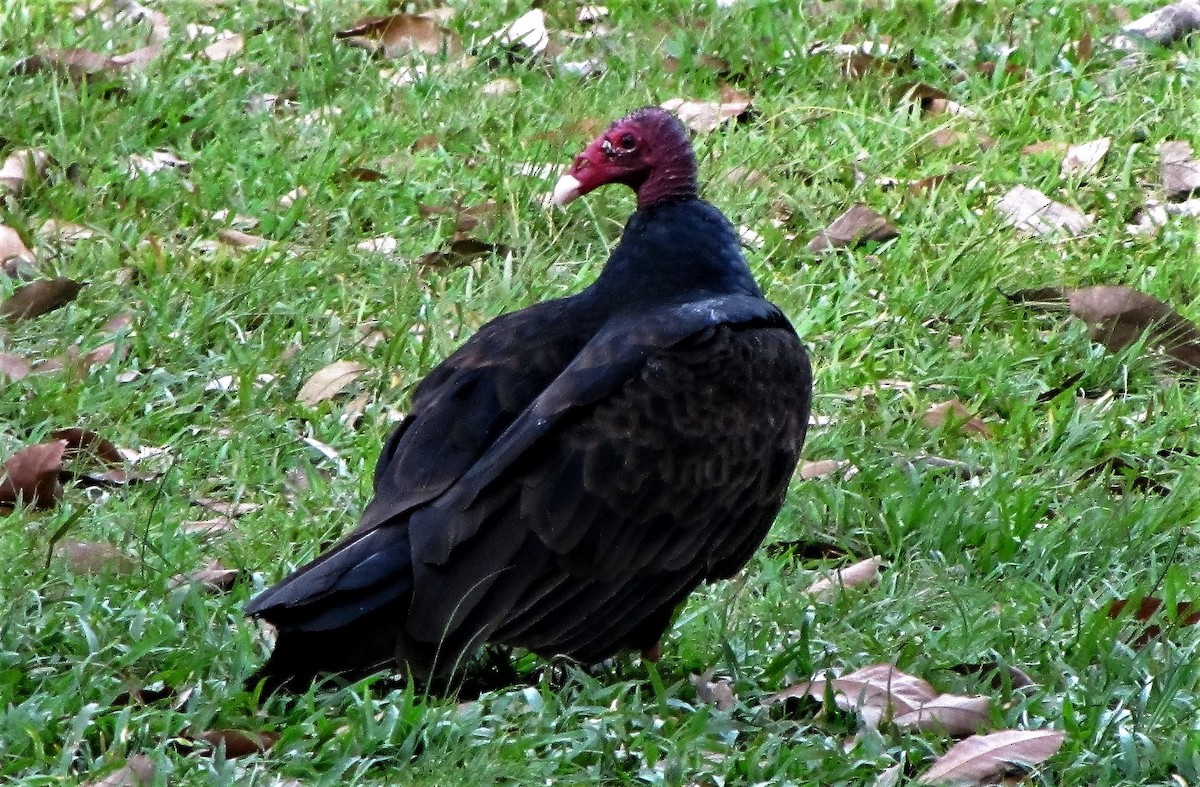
(313, 203)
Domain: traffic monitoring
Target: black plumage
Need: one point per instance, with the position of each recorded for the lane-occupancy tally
(569, 475)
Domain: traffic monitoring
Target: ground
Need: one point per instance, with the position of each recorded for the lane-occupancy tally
(1011, 558)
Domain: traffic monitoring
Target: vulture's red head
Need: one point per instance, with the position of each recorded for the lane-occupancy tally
(647, 150)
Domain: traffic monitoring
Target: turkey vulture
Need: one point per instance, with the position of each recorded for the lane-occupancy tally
(568, 476)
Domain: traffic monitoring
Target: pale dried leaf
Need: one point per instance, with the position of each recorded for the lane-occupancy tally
(213, 578)
(955, 411)
(864, 572)
(880, 687)
(64, 231)
(706, 116)
(1085, 159)
(1179, 171)
(857, 225)
(226, 45)
(157, 161)
(242, 240)
(13, 250)
(984, 757)
(953, 714)
(499, 87)
(39, 297)
(381, 244)
(330, 381)
(810, 471)
(21, 167)
(526, 35)
(93, 557)
(1164, 26)
(1032, 212)
(208, 527)
(138, 771)
(13, 367)
(225, 508)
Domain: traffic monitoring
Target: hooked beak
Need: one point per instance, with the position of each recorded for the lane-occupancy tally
(566, 190)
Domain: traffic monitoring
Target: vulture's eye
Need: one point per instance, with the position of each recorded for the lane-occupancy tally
(628, 142)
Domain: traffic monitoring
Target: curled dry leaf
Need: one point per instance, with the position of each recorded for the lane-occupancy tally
(952, 714)
(400, 34)
(864, 572)
(715, 693)
(1184, 613)
(237, 743)
(1164, 26)
(1032, 212)
(954, 411)
(213, 578)
(138, 771)
(707, 116)
(31, 475)
(330, 381)
(875, 692)
(94, 557)
(22, 167)
(16, 259)
(1119, 316)
(13, 367)
(39, 297)
(857, 225)
(1085, 159)
(981, 758)
(1180, 173)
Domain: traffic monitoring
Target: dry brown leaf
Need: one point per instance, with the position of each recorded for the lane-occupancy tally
(876, 692)
(213, 578)
(138, 771)
(39, 297)
(954, 411)
(864, 572)
(242, 240)
(1085, 159)
(21, 167)
(78, 65)
(1164, 27)
(984, 757)
(94, 557)
(1032, 212)
(462, 251)
(707, 116)
(952, 714)
(947, 137)
(31, 475)
(13, 251)
(13, 367)
(1185, 613)
(400, 34)
(857, 225)
(715, 693)
(1119, 316)
(237, 743)
(1180, 173)
(330, 381)
(466, 219)
(84, 442)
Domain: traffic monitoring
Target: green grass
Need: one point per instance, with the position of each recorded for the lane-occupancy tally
(1017, 565)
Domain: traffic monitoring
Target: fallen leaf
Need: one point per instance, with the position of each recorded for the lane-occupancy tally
(242, 240)
(524, 37)
(1119, 316)
(80, 66)
(1184, 613)
(40, 296)
(13, 251)
(875, 692)
(1179, 172)
(400, 34)
(1032, 212)
(1164, 26)
(208, 527)
(466, 219)
(214, 578)
(224, 508)
(855, 226)
(157, 161)
(21, 167)
(810, 471)
(954, 411)
(864, 572)
(64, 231)
(1085, 159)
(951, 714)
(330, 381)
(138, 771)
(81, 442)
(1017, 679)
(13, 367)
(237, 743)
(715, 693)
(31, 475)
(381, 244)
(226, 45)
(94, 557)
(984, 757)
(462, 251)
(948, 137)
(707, 116)
(1045, 146)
